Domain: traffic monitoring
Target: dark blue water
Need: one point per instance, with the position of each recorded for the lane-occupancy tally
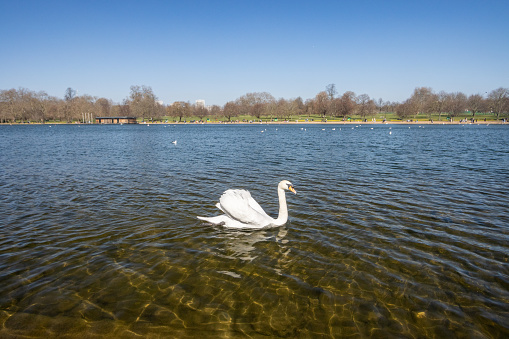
(396, 231)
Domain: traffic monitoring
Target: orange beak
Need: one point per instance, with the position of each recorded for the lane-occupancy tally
(292, 189)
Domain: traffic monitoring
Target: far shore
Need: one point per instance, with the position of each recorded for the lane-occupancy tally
(287, 122)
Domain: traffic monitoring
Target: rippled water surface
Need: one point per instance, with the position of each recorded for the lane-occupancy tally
(396, 231)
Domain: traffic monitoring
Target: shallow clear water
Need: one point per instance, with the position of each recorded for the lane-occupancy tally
(394, 232)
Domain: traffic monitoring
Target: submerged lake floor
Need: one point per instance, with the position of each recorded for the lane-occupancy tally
(397, 231)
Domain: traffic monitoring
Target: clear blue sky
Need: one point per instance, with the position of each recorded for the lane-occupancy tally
(220, 50)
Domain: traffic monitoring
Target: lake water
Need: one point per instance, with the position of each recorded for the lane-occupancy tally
(397, 231)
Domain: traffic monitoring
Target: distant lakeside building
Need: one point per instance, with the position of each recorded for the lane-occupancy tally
(201, 103)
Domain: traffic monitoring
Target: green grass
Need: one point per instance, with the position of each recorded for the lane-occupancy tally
(315, 118)
(390, 117)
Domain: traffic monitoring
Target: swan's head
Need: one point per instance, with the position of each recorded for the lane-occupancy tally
(287, 186)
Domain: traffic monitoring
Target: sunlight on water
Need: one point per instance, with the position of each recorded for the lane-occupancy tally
(400, 234)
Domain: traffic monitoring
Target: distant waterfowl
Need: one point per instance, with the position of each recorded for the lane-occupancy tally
(242, 211)
(174, 142)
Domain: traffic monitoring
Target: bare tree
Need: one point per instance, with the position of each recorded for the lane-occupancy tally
(142, 102)
(321, 104)
(69, 94)
(124, 109)
(286, 108)
(54, 108)
(332, 108)
(41, 103)
(456, 103)
(69, 108)
(298, 105)
(281, 108)
(331, 91)
(475, 104)
(498, 100)
(160, 111)
(405, 109)
(257, 110)
(84, 106)
(420, 100)
(441, 103)
(200, 111)
(254, 103)
(365, 105)
(25, 103)
(179, 109)
(346, 104)
(9, 99)
(270, 109)
(215, 112)
(230, 110)
(103, 106)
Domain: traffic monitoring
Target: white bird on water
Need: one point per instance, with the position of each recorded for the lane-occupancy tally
(174, 142)
(242, 211)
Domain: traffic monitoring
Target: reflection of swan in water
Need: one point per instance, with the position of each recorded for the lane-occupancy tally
(280, 237)
(242, 211)
(241, 244)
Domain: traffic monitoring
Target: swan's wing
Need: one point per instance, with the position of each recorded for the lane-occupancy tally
(239, 205)
(218, 205)
(254, 205)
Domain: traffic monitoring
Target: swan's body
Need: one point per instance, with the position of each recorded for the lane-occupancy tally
(242, 211)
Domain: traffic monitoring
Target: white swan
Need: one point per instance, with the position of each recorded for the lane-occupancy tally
(242, 211)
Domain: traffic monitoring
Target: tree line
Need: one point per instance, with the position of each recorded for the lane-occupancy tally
(23, 105)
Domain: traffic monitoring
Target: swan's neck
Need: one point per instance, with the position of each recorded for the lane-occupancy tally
(283, 209)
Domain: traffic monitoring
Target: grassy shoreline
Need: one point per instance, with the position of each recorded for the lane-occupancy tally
(390, 118)
(287, 122)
